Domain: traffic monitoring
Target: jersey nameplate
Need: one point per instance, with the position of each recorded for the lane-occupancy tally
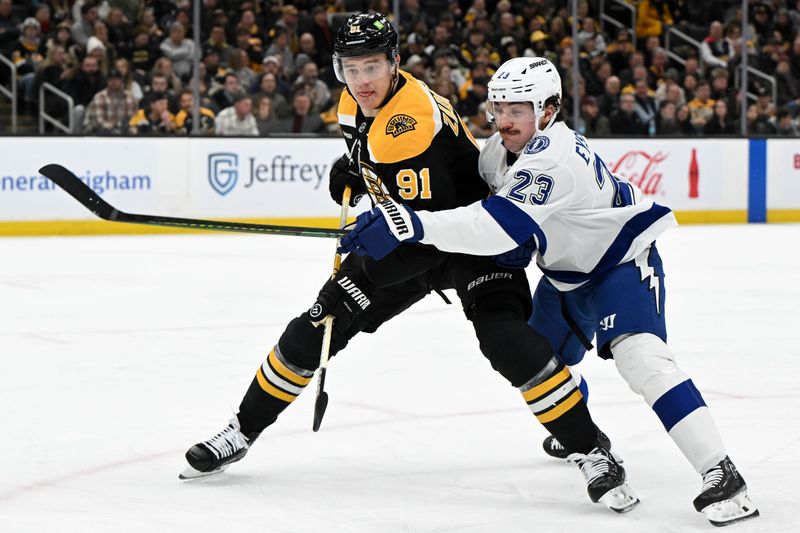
(399, 124)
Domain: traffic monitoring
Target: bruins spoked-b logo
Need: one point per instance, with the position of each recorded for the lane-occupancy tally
(400, 124)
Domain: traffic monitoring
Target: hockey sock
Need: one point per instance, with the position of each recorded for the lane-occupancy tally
(649, 368)
(556, 401)
(276, 385)
(579, 379)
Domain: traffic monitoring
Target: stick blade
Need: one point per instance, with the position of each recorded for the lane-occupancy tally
(73, 186)
(319, 409)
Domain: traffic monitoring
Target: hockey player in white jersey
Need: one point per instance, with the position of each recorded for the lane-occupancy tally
(593, 235)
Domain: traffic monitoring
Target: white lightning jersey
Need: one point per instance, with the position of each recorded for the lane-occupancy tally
(585, 221)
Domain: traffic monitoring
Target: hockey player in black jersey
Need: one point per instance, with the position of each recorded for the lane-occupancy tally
(407, 143)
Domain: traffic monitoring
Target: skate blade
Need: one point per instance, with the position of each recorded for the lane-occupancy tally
(191, 473)
(620, 499)
(728, 512)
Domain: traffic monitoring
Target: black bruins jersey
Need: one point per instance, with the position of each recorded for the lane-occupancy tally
(417, 149)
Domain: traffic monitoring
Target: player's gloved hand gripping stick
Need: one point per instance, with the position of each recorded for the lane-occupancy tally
(321, 402)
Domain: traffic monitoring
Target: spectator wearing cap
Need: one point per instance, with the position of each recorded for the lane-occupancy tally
(223, 98)
(290, 18)
(764, 103)
(96, 49)
(624, 121)
(303, 118)
(9, 24)
(619, 50)
(27, 54)
(540, 44)
(84, 27)
(184, 119)
(272, 64)
(315, 88)
(701, 106)
(111, 108)
(238, 119)
(155, 119)
(595, 124)
(159, 85)
(179, 50)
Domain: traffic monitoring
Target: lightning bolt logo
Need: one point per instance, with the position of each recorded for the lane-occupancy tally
(646, 271)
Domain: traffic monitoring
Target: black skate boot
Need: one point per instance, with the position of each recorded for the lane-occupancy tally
(605, 479)
(723, 498)
(553, 448)
(215, 454)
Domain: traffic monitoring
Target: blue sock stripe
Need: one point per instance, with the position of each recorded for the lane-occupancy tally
(677, 403)
(584, 388)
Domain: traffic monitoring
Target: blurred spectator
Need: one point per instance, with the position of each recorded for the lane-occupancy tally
(316, 89)
(651, 17)
(266, 122)
(715, 49)
(101, 34)
(163, 67)
(159, 85)
(595, 124)
(237, 120)
(111, 108)
(475, 95)
(690, 82)
(239, 66)
(758, 123)
(224, 97)
(645, 106)
(720, 123)
(701, 106)
(9, 24)
(128, 81)
(119, 30)
(155, 118)
(624, 120)
(794, 58)
(272, 64)
(269, 87)
(785, 124)
(249, 45)
(280, 50)
(218, 43)
(52, 70)
(143, 53)
(684, 117)
(179, 50)
(147, 22)
(84, 27)
(310, 52)
(184, 120)
(670, 90)
(788, 86)
(27, 53)
(667, 122)
(288, 22)
(609, 100)
(82, 85)
(303, 119)
(321, 30)
(587, 31)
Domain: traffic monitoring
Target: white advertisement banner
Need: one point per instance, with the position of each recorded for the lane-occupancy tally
(287, 178)
(783, 170)
(685, 175)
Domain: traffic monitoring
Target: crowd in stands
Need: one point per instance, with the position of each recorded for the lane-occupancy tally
(265, 66)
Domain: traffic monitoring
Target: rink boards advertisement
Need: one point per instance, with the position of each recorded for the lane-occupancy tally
(284, 180)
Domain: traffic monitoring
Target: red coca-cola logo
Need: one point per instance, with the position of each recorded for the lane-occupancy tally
(641, 169)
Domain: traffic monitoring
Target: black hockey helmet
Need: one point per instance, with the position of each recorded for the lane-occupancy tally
(366, 33)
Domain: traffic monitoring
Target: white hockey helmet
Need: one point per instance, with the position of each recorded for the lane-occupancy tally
(524, 79)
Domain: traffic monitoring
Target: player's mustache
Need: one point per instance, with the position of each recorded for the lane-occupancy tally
(508, 130)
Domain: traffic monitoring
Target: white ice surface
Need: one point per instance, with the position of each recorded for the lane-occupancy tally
(118, 353)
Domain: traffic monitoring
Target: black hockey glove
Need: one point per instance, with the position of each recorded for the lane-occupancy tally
(519, 257)
(345, 297)
(343, 173)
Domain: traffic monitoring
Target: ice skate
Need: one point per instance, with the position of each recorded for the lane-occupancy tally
(553, 448)
(605, 479)
(723, 498)
(217, 453)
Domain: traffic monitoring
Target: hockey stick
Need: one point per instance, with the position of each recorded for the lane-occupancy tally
(86, 196)
(321, 403)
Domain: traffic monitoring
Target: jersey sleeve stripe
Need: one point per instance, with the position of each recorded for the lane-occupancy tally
(514, 221)
(618, 249)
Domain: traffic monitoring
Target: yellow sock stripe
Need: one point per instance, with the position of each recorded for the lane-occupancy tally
(546, 386)
(272, 390)
(561, 408)
(285, 372)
